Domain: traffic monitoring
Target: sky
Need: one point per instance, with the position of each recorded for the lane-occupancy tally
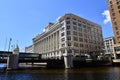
(22, 20)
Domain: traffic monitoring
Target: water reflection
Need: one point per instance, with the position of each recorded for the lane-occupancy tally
(99, 73)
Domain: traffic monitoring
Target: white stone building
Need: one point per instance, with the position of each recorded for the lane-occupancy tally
(29, 49)
(108, 45)
(70, 35)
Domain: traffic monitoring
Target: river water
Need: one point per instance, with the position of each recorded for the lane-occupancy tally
(87, 73)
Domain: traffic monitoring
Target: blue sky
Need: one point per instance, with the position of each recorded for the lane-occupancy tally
(22, 20)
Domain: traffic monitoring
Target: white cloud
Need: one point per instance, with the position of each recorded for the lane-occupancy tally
(106, 14)
(43, 30)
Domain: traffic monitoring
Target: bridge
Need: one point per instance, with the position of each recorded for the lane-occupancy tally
(32, 58)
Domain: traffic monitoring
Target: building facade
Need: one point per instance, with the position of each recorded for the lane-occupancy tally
(29, 49)
(114, 9)
(70, 35)
(108, 45)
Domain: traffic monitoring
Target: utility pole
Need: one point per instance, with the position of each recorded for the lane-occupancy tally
(5, 44)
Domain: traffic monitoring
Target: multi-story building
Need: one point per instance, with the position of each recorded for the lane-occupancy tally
(108, 45)
(114, 9)
(29, 49)
(70, 35)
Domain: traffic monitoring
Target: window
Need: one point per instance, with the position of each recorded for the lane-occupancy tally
(63, 45)
(68, 33)
(118, 38)
(114, 19)
(86, 40)
(110, 2)
(69, 38)
(76, 51)
(118, 3)
(62, 24)
(119, 7)
(116, 28)
(79, 24)
(84, 26)
(74, 33)
(80, 34)
(117, 33)
(113, 14)
(67, 18)
(67, 22)
(62, 34)
(81, 45)
(80, 29)
(74, 27)
(81, 39)
(68, 27)
(69, 44)
(117, 48)
(63, 39)
(75, 38)
(74, 23)
(112, 10)
(115, 23)
(62, 51)
(62, 29)
(76, 44)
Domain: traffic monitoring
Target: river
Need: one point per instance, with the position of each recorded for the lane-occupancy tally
(87, 73)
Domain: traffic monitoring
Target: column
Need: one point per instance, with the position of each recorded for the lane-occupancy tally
(68, 60)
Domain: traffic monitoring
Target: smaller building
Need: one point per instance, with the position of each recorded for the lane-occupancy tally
(29, 49)
(108, 45)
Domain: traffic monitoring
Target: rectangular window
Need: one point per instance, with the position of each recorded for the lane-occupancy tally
(67, 18)
(110, 2)
(80, 34)
(74, 27)
(62, 34)
(68, 33)
(114, 19)
(112, 10)
(116, 28)
(81, 45)
(86, 40)
(74, 33)
(84, 26)
(68, 27)
(79, 24)
(63, 45)
(74, 23)
(76, 44)
(119, 7)
(117, 48)
(76, 51)
(69, 44)
(75, 38)
(118, 38)
(67, 22)
(115, 23)
(62, 29)
(81, 39)
(80, 29)
(69, 38)
(118, 3)
(63, 39)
